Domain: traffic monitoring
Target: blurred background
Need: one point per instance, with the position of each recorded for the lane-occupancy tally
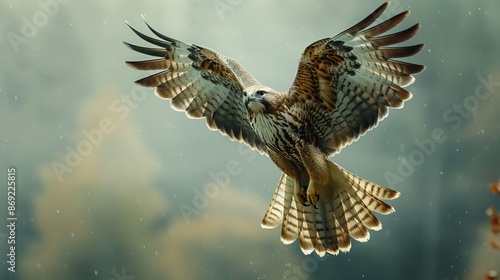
(111, 183)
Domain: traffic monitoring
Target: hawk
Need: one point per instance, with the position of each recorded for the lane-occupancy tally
(343, 87)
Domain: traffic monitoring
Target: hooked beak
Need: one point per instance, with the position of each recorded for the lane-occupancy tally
(247, 99)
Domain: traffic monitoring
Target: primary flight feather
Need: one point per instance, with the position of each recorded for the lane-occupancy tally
(343, 87)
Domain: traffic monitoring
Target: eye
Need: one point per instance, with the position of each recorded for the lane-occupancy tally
(244, 93)
(260, 93)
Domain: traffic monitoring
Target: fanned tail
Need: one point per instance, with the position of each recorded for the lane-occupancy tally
(344, 210)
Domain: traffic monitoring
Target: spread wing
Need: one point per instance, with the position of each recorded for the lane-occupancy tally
(348, 82)
(200, 82)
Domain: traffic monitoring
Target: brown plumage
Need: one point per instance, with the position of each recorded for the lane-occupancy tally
(343, 87)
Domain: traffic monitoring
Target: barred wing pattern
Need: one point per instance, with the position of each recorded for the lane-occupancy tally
(355, 78)
(343, 87)
(346, 85)
(201, 82)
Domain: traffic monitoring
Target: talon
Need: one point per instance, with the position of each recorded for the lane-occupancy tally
(312, 194)
(300, 194)
(305, 197)
(302, 199)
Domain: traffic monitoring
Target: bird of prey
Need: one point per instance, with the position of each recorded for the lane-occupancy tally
(343, 87)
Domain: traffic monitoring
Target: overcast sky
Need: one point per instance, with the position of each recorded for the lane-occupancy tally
(113, 182)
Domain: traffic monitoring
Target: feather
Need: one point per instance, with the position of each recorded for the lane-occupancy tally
(200, 82)
(343, 87)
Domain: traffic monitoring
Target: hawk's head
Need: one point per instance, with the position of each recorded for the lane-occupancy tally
(261, 99)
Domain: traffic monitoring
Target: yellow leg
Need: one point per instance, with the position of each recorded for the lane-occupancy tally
(312, 193)
(316, 165)
(299, 191)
